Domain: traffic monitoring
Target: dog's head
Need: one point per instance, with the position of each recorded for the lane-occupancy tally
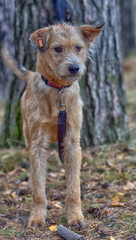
(63, 49)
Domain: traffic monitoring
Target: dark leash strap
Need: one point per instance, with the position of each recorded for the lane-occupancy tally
(62, 122)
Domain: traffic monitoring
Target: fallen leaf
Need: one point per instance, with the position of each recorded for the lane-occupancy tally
(130, 186)
(120, 194)
(13, 172)
(7, 192)
(121, 156)
(112, 238)
(53, 175)
(116, 202)
(53, 228)
(2, 174)
(57, 205)
(14, 195)
(108, 211)
(24, 183)
(115, 199)
(111, 165)
(5, 156)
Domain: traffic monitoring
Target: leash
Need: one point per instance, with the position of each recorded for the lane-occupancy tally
(62, 117)
(62, 123)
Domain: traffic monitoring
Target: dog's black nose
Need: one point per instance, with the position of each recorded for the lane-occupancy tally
(74, 68)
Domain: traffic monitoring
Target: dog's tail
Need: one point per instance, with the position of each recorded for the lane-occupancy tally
(17, 69)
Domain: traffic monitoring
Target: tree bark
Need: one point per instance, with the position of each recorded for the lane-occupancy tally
(6, 24)
(127, 10)
(29, 16)
(102, 89)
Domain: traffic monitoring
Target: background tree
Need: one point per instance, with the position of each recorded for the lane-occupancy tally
(105, 119)
(7, 16)
(127, 10)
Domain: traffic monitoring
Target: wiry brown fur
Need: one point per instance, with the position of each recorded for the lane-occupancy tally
(40, 108)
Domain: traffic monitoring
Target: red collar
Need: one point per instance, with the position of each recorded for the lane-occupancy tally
(52, 84)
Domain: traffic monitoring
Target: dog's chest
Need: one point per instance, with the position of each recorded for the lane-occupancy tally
(49, 122)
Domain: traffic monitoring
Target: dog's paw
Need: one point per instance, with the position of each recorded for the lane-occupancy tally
(37, 217)
(76, 219)
(79, 225)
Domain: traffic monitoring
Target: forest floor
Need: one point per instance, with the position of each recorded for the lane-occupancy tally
(108, 186)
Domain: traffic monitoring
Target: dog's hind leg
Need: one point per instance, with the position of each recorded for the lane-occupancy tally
(38, 155)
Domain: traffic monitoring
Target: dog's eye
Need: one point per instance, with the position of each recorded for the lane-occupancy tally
(78, 48)
(58, 49)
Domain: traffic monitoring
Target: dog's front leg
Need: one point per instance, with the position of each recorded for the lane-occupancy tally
(38, 155)
(72, 164)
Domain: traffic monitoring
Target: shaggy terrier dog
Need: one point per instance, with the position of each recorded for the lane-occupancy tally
(62, 53)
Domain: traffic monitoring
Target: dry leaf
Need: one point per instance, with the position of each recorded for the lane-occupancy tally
(112, 238)
(2, 174)
(13, 172)
(53, 228)
(116, 202)
(7, 192)
(53, 175)
(115, 199)
(107, 211)
(24, 183)
(57, 205)
(111, 165)
(5, 156)
(85, 164)
(121, 156)
(120, 194)
(14, 195)
(130, 186)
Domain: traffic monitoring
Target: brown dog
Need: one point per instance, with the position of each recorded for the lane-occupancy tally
(62, 52)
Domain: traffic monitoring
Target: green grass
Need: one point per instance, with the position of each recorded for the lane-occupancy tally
(120, 177)
(3, 210)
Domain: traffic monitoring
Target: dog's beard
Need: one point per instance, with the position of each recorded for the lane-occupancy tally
(71, 77)
(67, 76)
(63, 73)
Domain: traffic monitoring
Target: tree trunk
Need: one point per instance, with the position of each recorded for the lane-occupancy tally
(102, 88)
(6, 24)
(29, 16)
(127, 10)
(105, 119)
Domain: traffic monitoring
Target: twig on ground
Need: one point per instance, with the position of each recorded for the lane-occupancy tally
(67, 234)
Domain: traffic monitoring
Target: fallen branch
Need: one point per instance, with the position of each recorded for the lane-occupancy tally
(67, 234)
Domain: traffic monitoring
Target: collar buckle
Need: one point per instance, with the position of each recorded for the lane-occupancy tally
(61, 93)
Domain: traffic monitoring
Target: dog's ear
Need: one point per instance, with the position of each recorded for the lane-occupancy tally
(38, 38)
(90, 33)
